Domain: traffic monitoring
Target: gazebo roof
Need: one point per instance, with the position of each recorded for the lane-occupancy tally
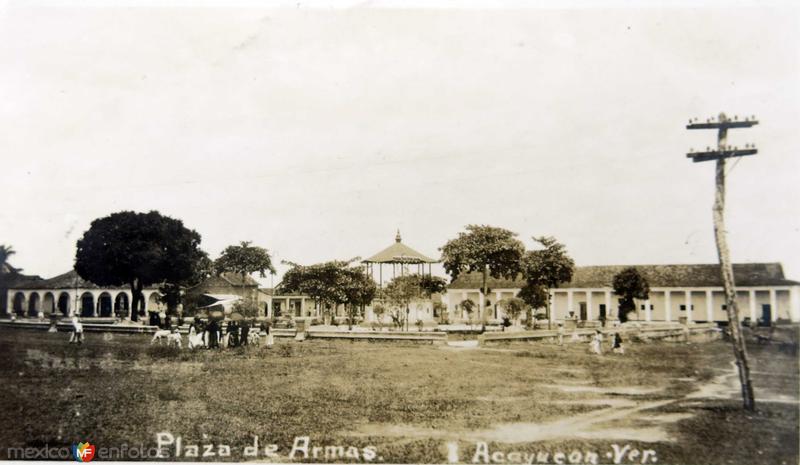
(399, 253)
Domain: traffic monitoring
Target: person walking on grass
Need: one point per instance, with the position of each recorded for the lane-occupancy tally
(597, 343)
(617, 345)
(270, 339)
(77, 331)
(560, 334)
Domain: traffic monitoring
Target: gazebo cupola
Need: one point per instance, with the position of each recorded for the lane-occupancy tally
(397, 254)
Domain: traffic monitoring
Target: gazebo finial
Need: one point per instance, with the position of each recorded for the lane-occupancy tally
(397, 237)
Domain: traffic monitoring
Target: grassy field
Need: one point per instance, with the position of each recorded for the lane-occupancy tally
(408, 402)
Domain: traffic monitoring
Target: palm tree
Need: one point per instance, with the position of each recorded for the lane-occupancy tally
(5, 270)
(5, 252)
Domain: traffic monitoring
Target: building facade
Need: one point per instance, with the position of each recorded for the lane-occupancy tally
(691, 293)
(69, 294)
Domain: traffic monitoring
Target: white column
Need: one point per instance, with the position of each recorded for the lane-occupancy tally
(608, 304)
(303, 306)
(753, 318)
(688, 302)
(552, 298)
(794, 303)
(463, 298)
(497, 296)
(648, 316)
(10, 301)
(667, 306)
(709, 305)
(96, 297)
(589, 305)
(569, 303)
(773, 304)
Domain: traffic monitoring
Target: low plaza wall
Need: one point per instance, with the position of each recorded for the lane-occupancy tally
(675, 332)
(424, 337)
(66, 326)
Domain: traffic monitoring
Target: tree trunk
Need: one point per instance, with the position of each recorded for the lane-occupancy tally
(136, 297)
(547, 308)
(739, 349)
(529, 317)
(482, 304)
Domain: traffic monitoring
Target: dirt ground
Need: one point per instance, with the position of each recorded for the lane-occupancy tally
(408, 403)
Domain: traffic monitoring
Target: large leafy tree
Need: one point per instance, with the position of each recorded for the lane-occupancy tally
(172, 292)
(244, 259)
(326, 283)
(629, 284)
(138, 249)
(545, 269)
(489, 250)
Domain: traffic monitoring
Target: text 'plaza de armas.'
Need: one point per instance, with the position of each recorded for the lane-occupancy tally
(678, 293)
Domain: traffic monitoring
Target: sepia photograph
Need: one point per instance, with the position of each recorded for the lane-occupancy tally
(395, 232)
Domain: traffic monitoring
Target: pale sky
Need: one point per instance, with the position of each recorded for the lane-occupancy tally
(316, 132)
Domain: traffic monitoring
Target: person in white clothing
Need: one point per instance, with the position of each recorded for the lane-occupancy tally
(77, 331)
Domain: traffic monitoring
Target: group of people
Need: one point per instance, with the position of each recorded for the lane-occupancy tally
(596, 342)
(234, 334)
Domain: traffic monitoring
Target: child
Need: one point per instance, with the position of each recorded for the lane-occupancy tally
(617, 346)
(560, 334)
(77, 331)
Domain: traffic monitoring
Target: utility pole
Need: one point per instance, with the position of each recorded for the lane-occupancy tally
(723, 152)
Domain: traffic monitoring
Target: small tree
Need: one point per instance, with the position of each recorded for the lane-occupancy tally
(359, 291)
(547, 267)
(629, 284)
(440, 311)
(379, 311)
(399, 293)
(469, 306)
(432, 285)
(535, 296)
(513, 307)
(246, 308)
(138, 249)
(489, 250)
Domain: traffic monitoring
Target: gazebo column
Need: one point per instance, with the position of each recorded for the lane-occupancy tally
(667, 306)
(608, 304)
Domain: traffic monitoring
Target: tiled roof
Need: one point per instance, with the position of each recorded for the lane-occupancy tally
(237, 280)
(399, 253)
(705, 275)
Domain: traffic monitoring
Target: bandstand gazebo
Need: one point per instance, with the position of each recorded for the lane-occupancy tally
(397, 254)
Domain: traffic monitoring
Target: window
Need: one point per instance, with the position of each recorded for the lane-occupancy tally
(683, 307)
(724, 307)
(652, 307)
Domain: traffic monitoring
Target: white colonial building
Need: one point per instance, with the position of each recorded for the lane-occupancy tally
(69, 294)
(690, 293)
